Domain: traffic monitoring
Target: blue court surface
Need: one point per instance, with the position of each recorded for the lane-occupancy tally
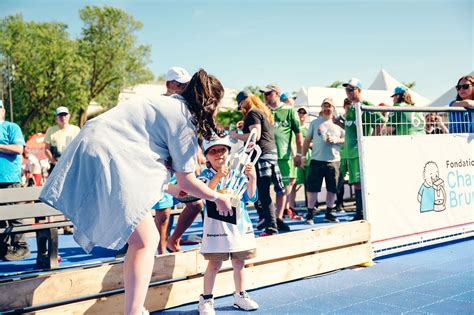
(437, 280)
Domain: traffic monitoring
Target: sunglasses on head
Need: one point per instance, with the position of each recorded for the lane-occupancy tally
(217, 151)
(463, 86)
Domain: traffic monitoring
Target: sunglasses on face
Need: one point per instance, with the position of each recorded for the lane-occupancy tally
(268, 93)
(463, 86)
(217, 151)
(350, 89)
(302, 112)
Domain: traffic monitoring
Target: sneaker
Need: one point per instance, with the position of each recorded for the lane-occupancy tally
(340, 211)
(330, 217)
(17, 253)
(269, 231)
(309, 219)
(282, 226)
(206, 307)
(261, 224)
(244, 302)
(357, 217)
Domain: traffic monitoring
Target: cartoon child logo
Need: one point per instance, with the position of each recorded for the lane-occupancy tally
(432, 196)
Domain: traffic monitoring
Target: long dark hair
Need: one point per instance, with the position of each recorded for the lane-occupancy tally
(405, 97)
(203, 94)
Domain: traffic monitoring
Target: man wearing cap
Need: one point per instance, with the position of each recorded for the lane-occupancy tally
(287, 126)
(58, 137)
(373, 123)
(12, 142)
(405, 123)
(176, 80)
(327, 138)
(286, 98)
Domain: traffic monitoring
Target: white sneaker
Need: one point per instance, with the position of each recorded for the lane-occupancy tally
(206, 307)
(244, 302)
(145, 311)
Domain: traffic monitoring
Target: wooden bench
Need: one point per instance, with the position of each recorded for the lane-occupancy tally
(23, 203)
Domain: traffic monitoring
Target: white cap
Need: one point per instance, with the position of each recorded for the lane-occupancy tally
(178, 74)
(215, 140)
(62, 110)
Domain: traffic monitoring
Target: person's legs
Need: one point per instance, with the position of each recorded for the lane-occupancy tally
(185, 219)
(213, 267)
(162, 217)
(354, 178)
(264, 204)
(289, 194)
(331, 174)
(138, 265)
(340, 186)
(239, 276)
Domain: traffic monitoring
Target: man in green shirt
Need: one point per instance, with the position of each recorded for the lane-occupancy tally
(372, 125)
(287, 126)
(405, 123)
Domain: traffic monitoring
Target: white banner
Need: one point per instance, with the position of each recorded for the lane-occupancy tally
(418, 189)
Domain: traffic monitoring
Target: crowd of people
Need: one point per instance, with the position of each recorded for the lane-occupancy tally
(172, 143)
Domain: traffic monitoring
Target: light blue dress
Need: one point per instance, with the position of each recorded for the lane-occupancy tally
(114, 171)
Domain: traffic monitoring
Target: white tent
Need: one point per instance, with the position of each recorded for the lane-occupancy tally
(228, 102)
(384, 81)
(313, 97)
(447, 97)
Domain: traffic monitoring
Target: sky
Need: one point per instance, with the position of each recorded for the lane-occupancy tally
(293, 43)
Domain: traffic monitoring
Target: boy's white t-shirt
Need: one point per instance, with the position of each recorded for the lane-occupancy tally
(223, 237)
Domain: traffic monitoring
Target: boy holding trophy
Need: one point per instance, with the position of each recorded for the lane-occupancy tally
(231, 236)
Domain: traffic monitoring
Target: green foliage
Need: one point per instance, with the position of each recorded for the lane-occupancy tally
(226, 118)
(113, 58)
(48, 72)
(409, 85)
(335, 84)
(52, 70)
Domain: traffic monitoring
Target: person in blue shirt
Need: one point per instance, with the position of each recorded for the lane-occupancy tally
(12, 247)
(463, 122)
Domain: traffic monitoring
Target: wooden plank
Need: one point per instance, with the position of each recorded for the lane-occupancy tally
(27, 210)
(187, 291)
(65, 285)
(19, 194)
(77, 283)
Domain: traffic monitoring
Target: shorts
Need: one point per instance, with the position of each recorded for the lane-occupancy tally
(287, 170)
(270, 169)
(354, 170)
(167, 201)
(319, 170)
(302, 174)
(243, 255)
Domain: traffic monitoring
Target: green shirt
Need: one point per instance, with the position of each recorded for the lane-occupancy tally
(286, 123)
(406, 123)
(369, 120)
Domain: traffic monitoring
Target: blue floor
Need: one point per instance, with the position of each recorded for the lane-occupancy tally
(439, 280)
(72, 255)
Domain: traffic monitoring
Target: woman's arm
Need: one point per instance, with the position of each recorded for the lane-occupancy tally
(245, 136)
(193, 186)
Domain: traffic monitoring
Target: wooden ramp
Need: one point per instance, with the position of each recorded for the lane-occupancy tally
(178, 278)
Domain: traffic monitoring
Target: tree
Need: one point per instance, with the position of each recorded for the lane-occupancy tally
(335, 84)
(48, 71)
(226, 118)
(409, 85)
(113, 58)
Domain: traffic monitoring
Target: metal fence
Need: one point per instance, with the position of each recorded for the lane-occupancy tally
(411, 120)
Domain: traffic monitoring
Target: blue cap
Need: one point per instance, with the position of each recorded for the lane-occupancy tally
(399, 90)
(354, 82)
(284, 96)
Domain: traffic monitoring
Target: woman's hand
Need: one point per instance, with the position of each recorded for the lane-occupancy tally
(233, 134)
(223, 203)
